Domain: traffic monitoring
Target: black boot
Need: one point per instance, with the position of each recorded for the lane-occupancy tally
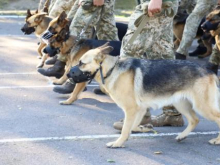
(199, 50)
(212, 67)
(51, 61)
(98, 91)
(66, 88)
(55, 71)
(180, 56)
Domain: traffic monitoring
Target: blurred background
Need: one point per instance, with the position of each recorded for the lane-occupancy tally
(123, 8)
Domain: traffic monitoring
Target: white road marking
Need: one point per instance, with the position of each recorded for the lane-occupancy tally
(90, 137)
(48, 86)
(27, 73)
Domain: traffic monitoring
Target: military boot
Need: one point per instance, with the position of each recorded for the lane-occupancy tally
(51, 61)
(66, 88)
(167, 120)
(55, 71)
(119, 124)
(199, 51)
(212, 67)
(180, 56)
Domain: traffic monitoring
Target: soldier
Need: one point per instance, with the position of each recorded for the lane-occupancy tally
(155, 41)
(202, 8)
(80, 17)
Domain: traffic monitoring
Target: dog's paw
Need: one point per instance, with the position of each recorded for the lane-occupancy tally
(114, 145)
(215, 141)
(39, 57)
(40, 65)
(180, 138)
(65, 102)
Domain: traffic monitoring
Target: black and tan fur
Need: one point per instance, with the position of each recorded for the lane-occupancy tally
(74, 50)
(179, 22)
(214, 17)
(138, 84)
(38, 23)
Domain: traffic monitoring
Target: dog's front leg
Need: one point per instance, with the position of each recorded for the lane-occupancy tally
(130, 116)
(74, 95)
(44, 56)
(39, 50)
(64, 77)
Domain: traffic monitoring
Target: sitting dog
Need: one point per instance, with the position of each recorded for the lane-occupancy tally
(138, 84)
(37, 23)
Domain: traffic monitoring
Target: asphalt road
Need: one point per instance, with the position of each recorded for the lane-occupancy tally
(36, 130)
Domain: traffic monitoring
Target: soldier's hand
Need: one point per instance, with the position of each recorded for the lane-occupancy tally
(98, 2)
(154, 7)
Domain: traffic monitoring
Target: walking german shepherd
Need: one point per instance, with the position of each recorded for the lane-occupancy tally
(37, 23)
(138, 84)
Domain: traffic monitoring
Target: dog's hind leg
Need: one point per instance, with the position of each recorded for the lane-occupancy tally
(130, 116)
(185, 108)
(140, 128)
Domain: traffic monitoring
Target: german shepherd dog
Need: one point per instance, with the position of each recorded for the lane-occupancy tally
(37, 23)
(138, 84)
(68, 45)
(179, 22)
(212, 25)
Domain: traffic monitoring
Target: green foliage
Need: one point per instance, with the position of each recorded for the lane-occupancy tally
(2, 3)
(125, 4)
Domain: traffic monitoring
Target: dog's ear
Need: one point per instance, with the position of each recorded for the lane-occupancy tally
(28, 13)
(61, 18)
(106, 49)
(99, 58)
(39, 18)
(45, 9)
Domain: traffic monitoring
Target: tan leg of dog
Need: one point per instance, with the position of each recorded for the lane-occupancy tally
(39, 50)
(130, 116)
(63, 79)
(44, 56)
(185, 108)
(74, 95)
(136, 126)
(208, 45)
(208, 103)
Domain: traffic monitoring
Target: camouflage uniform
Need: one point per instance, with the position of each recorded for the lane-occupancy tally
(215, 56)
(59, 6)
(187, 5)
(107, 28)
(154, 42)
(202, 8)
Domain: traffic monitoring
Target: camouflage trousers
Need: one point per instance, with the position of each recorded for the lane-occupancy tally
(107, 28)
(58, 6)
(202, 8)
(155, 41)
(187, 5)
(215, 56)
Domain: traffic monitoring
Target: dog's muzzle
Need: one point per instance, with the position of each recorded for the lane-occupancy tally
(75, 75)
(27, 30)
(207, 26)
(51, 51)
(47, 35)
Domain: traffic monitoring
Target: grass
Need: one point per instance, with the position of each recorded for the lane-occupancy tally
(2, 3)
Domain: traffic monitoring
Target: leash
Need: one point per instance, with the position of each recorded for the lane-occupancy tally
(141, 22)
